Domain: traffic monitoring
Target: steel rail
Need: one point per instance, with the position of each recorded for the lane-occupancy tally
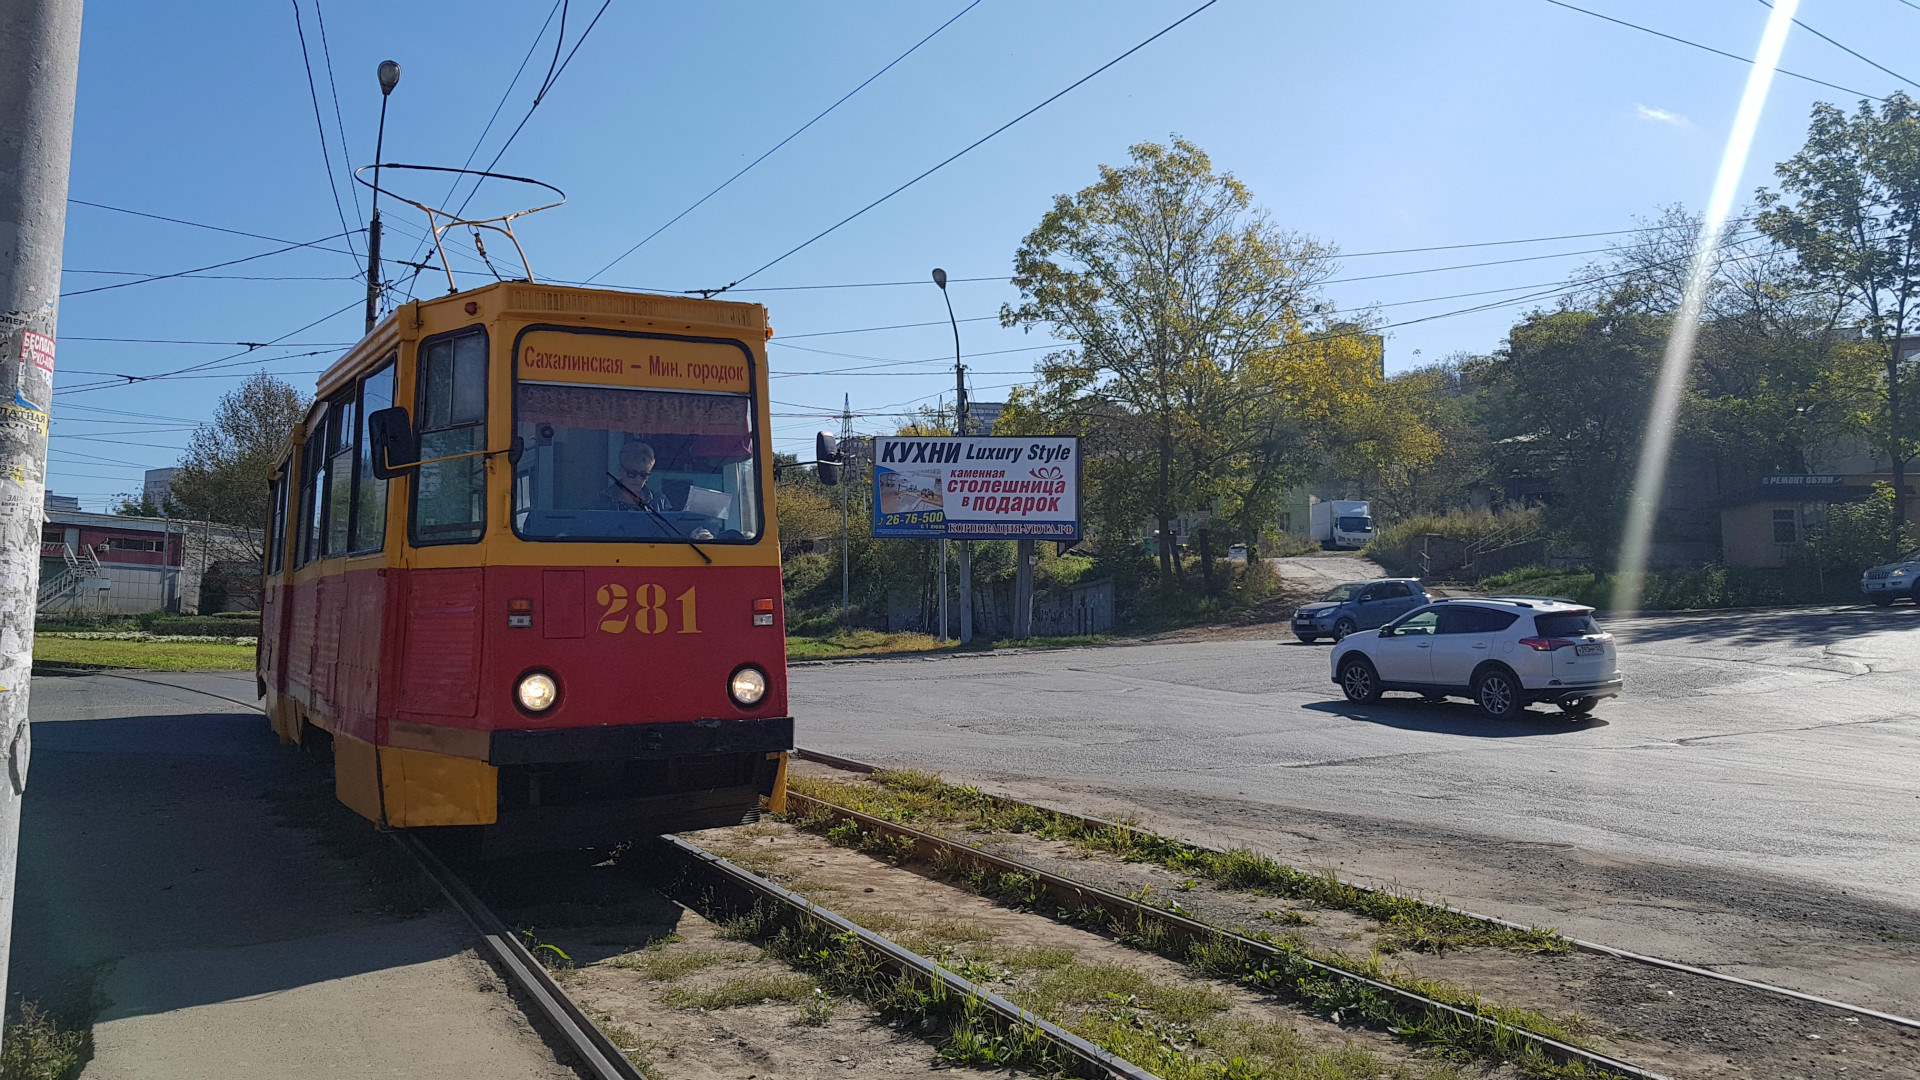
(1074, 895)
(1087, 1060)
(851, 765)
(589, 1045)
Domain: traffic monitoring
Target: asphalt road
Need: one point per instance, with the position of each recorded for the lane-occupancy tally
(1761, 773)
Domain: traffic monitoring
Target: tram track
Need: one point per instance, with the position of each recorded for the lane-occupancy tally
(720, 881)
(1590, 947)
(1181, 933)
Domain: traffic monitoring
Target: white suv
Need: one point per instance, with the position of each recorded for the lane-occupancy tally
(1503, 652)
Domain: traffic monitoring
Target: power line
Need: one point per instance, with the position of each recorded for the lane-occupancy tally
(195, 224)
(217, 277)
(130, 379)
(962, 153)
(454, 188)
(776, 146)
(200, 269)
(326, 156)
(1711, 49)
(184, 341)
(1865, 60)
(346, 157)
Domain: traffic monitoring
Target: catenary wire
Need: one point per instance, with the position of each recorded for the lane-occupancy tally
(196, 224)
(454, 187)
(201, 269)
(346, 156)
(961, 153)
(776, 146)
(1711, 49)
(1857, 56)
(326, 155)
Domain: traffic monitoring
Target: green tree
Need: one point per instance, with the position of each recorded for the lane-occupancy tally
(1178, 297)
(1849, 209)
(1567, 402)
(223, 476)
(1865, 533)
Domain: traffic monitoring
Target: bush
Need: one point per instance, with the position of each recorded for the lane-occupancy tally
(1397, 546)
(203, 625)
(1703, 587)
(1859, 535)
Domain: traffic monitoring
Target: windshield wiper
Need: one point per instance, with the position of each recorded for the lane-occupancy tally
(640, 501)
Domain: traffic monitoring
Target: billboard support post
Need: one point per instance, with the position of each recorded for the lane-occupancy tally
(1023, 589)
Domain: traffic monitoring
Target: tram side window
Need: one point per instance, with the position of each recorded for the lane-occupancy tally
(370, 497)
(277, 531)
(339, 473)
(312, 453)
(449, 498)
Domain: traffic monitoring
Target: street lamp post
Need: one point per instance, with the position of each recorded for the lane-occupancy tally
(960, 427)
(389, 78)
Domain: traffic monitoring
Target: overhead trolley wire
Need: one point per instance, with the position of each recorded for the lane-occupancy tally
(194, 224)
(454, 188)
(326, 155)
(214, 266)
(339, 125)
(958, 155)
(1857, 56)
(1711, 49)
(131, 379)
(776, 146)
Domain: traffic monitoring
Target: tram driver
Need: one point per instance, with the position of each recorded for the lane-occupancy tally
(629, 491)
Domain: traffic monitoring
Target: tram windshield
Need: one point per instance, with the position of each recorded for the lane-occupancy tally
(609, 463)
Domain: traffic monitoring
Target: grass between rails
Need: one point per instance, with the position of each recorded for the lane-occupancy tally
(918, 799)
(1176, 1032)
(150, 655)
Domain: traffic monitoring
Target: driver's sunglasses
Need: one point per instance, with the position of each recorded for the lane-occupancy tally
(638, 474)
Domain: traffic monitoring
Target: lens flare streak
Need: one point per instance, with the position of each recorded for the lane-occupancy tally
(1650, 478)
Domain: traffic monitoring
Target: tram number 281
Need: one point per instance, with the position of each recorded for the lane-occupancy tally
(650, 613)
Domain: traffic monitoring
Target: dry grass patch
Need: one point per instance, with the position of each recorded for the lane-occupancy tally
(743, 990)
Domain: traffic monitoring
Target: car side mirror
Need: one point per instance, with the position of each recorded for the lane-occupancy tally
(1388, 631)
(395, 448)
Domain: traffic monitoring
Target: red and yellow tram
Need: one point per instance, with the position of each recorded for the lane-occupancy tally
(524, 572)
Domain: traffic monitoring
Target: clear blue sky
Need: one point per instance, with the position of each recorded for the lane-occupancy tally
(1371, 125)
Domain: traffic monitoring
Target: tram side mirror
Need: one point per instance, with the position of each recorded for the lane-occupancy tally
(516, 450)
(826, 458)
(394, 447)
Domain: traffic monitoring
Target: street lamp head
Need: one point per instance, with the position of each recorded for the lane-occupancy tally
(940, 278)
(389, 76)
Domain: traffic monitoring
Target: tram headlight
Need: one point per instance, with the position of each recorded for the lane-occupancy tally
(537, 691)
(747, 687)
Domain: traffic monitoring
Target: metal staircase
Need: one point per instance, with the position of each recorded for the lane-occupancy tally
(59, 589)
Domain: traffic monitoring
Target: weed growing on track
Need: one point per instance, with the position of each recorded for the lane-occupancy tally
(668, 966)
(743, 990)
(39, 1048)
(1126, 1028)
(915, 798)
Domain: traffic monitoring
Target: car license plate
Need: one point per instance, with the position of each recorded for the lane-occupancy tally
(1586, 650)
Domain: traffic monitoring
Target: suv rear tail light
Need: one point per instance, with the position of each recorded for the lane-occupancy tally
(1547, 644)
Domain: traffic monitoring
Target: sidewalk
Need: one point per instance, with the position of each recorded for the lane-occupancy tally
(159, 893)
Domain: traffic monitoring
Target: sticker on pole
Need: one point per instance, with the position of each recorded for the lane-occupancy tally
(977, 487)
(37, 349)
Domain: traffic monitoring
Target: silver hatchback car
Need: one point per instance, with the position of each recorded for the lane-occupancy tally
(1503, 652)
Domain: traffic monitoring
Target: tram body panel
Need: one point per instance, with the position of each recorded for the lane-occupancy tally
(408, 656)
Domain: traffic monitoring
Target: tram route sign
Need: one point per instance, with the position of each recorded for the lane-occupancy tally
(976, 487)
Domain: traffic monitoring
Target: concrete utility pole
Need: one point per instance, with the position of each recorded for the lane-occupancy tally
(846, 477)
(37, 79)
(960, 417)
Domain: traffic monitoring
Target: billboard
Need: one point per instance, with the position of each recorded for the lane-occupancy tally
(976, 487)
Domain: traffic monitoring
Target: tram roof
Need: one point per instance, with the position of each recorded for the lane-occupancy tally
(533, 300)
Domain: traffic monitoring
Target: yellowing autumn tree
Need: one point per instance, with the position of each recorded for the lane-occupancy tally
(1204, 373)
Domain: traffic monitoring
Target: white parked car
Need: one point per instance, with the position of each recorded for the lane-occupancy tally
(1885, 584)
(1503, 652)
